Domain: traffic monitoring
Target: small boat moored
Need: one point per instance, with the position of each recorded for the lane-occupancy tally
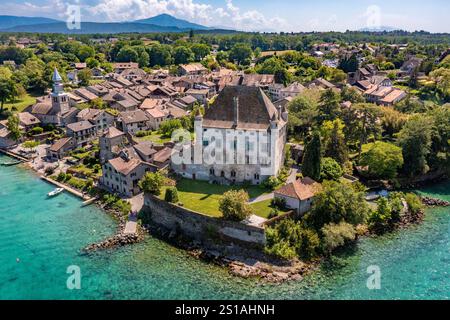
(55, 192)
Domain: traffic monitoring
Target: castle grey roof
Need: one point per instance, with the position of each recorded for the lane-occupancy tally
(255, 109)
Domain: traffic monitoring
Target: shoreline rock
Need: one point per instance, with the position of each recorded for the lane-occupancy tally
(240, 261)
(434, 202)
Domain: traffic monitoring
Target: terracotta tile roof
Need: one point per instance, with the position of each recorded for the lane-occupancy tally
(301, 189)
(88, 114)
(60, 144)
(113, 132)
(133, 116)
(80, 125)
(393, 96)
(145, 148)
(27, 119)
(163, 155)
(123, 166)
(193, 67)
(155, 113)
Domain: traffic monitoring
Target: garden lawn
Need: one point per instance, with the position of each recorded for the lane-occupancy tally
(263, 208)
(204, 197)
(22, 103)
(155, 137)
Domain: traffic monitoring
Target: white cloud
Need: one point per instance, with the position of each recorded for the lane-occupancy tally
(228, 15)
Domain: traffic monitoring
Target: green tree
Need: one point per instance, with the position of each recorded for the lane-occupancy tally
(7, 91)
(13, 127)
(335, 203)
(241, 53)
(336, 235)
(311, 165)
(329, 107)
(331, 170)
(171, 195)
(200, 51)
(380, 219)
(183, 55)
(234, 205)
(415, 140)
(382, 158)
(152, 183)
(167, 127)
(289, 239)
(335, 147)
(127, 54)
(85, 76)
(302, 115)
(349, 64)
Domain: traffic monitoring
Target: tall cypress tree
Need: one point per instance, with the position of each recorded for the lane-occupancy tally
(336, 147)
(312, 158)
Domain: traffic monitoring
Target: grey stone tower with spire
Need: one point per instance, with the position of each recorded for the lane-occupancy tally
(60, 99)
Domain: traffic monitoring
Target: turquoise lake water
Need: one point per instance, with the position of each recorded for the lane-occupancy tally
(40, 238)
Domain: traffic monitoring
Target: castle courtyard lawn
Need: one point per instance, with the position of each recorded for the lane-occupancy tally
(204, 197)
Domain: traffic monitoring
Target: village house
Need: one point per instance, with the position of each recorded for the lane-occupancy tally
(111, 143)
(299, 195)
(238, 110)
(83, 132)
(122, 174)
(101, 119)
(193, 69)
(145, 150)
(6, 140)
(386, 96)
(201, 95)
(279, 91)
(121, 66)
(27, 121)
(134, 121)
(410, 66)
(61, 148)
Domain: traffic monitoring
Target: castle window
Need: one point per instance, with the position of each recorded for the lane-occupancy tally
(211, 171)
(233, 174)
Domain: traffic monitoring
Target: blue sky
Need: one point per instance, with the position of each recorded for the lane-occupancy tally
(256, 15)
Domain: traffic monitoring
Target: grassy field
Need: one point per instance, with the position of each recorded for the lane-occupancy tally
(271, 53)
(22, 103)
(264, 208)
(154, 137)
(203, 197)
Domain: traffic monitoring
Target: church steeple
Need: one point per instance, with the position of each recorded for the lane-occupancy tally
(60, 100)
(57, 82)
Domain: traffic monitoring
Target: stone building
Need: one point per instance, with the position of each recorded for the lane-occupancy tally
(248, 133)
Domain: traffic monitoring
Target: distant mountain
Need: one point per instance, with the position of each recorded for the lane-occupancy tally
(13, 21)
(166, 20)
(379, 29)
(93, 27)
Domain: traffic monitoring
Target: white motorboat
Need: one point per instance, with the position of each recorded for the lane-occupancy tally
(55, 192)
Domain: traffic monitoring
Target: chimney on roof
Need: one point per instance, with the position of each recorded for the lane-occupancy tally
(236, 110)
